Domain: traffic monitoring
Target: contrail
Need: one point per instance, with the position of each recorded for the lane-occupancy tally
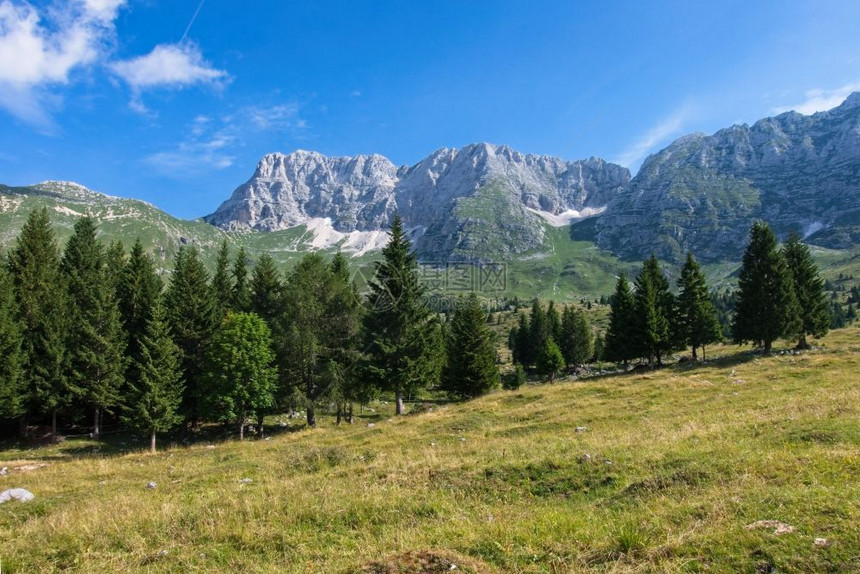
(567, 149)
(191, 23)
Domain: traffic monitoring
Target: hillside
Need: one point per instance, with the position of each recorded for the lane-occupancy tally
(667, 471)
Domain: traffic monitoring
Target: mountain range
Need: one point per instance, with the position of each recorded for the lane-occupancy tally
(485, 202)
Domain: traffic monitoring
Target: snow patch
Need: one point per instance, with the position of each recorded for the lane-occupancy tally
(355, 242)
(813, 228)
(569, 216)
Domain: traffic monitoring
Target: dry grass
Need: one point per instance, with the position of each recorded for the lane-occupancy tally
(672, 467)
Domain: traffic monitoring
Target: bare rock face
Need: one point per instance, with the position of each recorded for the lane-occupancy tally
(702, 193)
(481, 201)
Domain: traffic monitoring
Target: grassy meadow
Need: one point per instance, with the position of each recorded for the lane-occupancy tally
(663, 471)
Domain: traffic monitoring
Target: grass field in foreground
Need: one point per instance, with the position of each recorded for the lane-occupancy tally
(671, 469)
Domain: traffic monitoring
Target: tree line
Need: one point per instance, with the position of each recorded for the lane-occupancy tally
(780, 294)
(93, 329)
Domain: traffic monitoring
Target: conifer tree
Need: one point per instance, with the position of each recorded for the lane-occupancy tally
(240, 301)
(155, 394)
(192, 318)
(471, 368)
(523, 351)
(553, 322)
(345, 313)
(240, 377)
(620, 342)
(115, 260)
(41, 296)
(139, 290)
(665, 313)
(650, 326)
(549, 360)
(765, 306)
(698, 324)
(266, 289)
(306, 354)
(12, 389)
(96, 342)
(577, 342)
(567, 339)
(222, 284)
(808, 289)
(539, 331)
(400, 335)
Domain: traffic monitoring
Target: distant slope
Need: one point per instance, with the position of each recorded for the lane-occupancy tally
(701, 193)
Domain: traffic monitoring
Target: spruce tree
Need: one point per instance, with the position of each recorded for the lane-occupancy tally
(266, 289)
(808, 289)
(549, 360)
(650, 326)
(400, 335)
(471, 368)
(539, 330)
(12, 389)
(583, 339)
(155, 394)
(524, 350)
(698, 324)
(192, 318)
(222, 284)
(240, 377)
(42, 307)
(658, 338)
(115, 261)
(553, 322)
(765, 306)
(620, 343)
(139, 290)
(240, 300)
(345, 312)
(96, 342)
(567, 338)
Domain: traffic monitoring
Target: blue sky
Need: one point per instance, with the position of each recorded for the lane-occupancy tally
(175, 102)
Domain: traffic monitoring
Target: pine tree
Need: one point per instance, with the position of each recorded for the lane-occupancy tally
(12, 389)
(808, 289)
(471, 368)
(41, 296)
(266, 290)
(597, 356)
(155, 394)
(400, 335)
(765, 308)
(698, 324)
(620, 342)
(240, 378)
(241, 297)
(96, 342)
(549, 361)
(192, 318)
(222, 284)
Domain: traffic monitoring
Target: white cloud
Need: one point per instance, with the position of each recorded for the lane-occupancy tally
(668, 126)
(818, 100)
(194, 156)
(40, 50)
(169, 65)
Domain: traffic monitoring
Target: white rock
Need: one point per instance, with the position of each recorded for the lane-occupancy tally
(18, 494)
(151, 485)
